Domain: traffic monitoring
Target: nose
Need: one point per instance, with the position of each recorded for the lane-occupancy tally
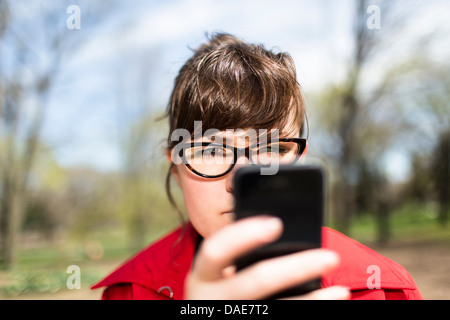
(241, 162)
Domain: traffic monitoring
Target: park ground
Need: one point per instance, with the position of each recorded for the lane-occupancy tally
(428, 264)
(420, 245)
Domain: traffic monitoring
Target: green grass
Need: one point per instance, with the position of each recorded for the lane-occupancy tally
(43, 268)
(411, 224)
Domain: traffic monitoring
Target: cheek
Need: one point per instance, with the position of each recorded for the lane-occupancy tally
(205, 202)
(200, 194)
(201, 197)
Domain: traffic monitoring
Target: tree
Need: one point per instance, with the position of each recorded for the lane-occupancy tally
(426, 93)
(441, 175)
(34, 43)
(361, 116)
(22, 78)
(140, 139)
(435, 100)
(350, 124)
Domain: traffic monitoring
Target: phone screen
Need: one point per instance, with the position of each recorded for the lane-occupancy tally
(295, 194)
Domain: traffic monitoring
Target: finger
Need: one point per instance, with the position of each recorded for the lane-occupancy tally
(221, 249)
(273, 275)
(330, 293)
(228, 272)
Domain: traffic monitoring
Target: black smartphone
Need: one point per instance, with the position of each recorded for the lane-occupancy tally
(295, 194)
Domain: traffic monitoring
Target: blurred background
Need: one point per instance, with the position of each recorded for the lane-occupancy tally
(82, 164)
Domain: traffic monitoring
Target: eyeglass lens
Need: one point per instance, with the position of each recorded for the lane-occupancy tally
(216, 159)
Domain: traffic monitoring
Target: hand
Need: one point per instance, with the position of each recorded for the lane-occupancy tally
(213, 275)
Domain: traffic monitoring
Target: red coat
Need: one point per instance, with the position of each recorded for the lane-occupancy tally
(155, 274)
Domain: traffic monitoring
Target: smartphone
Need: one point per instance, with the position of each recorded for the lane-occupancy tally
(295, 194)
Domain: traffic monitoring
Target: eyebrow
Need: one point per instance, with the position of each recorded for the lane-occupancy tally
(225, 134)
(247, 144)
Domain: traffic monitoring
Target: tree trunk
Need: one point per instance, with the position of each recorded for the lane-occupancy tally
(383, 223)
(11, 220)
(11, 239)
(441, 179)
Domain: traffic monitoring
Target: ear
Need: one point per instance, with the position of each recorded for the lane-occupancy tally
(174, 169)
(306, 149)
(169, 156)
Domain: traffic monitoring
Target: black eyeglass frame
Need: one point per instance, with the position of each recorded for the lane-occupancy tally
(301, 146)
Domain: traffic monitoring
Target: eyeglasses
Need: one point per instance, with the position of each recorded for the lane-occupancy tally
(213, 160)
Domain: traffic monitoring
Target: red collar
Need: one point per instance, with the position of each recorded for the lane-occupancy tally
(154, 269)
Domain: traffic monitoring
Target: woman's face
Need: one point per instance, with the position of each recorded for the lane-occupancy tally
(209, 201)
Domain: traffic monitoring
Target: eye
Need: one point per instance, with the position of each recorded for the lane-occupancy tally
(273, 149)
(210, 152)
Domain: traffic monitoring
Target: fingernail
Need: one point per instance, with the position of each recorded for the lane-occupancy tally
(338, 292)
(330, 257)
(273, 223)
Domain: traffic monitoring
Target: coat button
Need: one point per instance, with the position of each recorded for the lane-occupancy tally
(166, 288)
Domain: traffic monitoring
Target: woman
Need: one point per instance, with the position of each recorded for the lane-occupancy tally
(225, 86)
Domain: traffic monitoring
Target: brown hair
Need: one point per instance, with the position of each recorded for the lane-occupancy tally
(229, 84)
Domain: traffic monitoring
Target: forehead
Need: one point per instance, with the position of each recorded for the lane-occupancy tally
(233, 136)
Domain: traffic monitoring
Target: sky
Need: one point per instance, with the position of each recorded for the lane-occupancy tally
(84, 116)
